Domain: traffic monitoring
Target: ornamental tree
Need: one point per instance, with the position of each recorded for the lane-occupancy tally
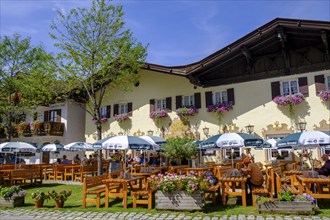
(97, 53)
(27, 79)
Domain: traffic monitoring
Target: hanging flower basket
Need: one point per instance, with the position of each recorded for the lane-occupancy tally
(289, 101)
(185, 112)
(157, 115)
(324, 95)
(102, 120)
(219, 109)
(121, 117)
(20, 127)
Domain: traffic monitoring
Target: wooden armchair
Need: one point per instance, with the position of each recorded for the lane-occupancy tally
(283, 186)
(262, 190)
(143, 196)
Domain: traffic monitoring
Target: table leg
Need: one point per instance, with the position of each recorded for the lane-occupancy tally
(223, 193)
(243, 193)
(125, 195)
(106, 197)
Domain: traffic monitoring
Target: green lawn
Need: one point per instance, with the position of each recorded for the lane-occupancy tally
(74, 203)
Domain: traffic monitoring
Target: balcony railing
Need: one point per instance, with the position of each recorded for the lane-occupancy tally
(46, 128)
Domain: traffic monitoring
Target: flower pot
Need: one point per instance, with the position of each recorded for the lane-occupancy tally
(59, 204)
(179, 200)
(17, 202)
(39, 203)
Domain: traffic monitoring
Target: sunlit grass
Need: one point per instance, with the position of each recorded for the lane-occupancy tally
(74, 203)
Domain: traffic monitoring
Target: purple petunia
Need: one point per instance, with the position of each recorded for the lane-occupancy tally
(324, 95)
(292, 99)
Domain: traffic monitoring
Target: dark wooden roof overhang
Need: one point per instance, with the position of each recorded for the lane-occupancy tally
(280, 47)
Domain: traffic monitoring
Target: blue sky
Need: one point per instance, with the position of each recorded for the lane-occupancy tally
(178, 32)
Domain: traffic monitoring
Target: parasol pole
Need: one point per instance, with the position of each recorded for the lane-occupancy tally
(232, 157)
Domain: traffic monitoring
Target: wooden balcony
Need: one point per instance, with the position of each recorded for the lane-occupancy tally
(46, 128)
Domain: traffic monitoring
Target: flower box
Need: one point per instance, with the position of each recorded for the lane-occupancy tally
(324, 95)
(179, 200)
(8, 202)
(287, 207)
(121, 117)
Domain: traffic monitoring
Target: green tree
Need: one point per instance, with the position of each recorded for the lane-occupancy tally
(178, 148)
(97, 53)
(27, 79)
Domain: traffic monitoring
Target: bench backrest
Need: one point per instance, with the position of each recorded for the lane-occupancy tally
(115, 174)
(94, 181)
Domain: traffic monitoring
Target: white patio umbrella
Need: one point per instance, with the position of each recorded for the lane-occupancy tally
(17, 147)
(231, 140)
(79, 146)
(155, 141)
(126, 142)
(52, 147)
(305, 139)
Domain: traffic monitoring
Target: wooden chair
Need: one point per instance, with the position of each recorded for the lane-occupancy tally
(282, 178)
(283, 186)
(262, 190)
(143, 196)
(212, 193)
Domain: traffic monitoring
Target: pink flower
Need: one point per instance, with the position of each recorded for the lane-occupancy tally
(292, 99)
(324, 95)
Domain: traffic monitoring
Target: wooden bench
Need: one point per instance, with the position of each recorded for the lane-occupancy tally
(143, 196)
(283, 186)
(19, 177)
(282, 178)
(94, 189)
(85, 171)
(212, 193)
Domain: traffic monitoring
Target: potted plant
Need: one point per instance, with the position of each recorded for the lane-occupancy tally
(157, 115)
(121, 117)
(39, 198)
(185, 112)
(219, 109)
(37, 124)
(20, 127)
(289, 101)
(179, 192)
(287, 203)
(324, 95)
(60, 197)
(12, 196)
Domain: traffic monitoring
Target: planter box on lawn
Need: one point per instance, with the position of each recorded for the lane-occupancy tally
(287, 207)
(17, 202)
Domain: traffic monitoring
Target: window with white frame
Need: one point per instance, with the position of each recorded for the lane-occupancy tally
(235, 151)
(123, 108)
(104, 112)
(289, 87)
(220, 97)
(161, 104)
(188, 101)
(327, 82)
(279, 154)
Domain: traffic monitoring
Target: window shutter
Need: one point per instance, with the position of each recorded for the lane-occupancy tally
(46, 116)
(178, 101)
(303, 86)
(130, 108)
(152, 105)
(208, 99)
(169, 103)
(115, 109)
(231, 96)
(108, 111)
(58, 115)
(319, 83)
(198, 103)
(276, 90)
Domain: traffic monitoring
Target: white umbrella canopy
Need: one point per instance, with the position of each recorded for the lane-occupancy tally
(306, 139)
(126, 142)
(17, 147)
(52, 147)
(79, 146)
(155, 141)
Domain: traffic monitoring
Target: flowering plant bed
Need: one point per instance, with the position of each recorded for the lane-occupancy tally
(324, 95)
(289, 101)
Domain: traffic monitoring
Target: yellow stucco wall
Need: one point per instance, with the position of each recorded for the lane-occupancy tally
(253, 105)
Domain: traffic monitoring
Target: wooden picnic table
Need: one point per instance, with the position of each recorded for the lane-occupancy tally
(145, 176)
(126, 185)
(321, 189)
(228, 188)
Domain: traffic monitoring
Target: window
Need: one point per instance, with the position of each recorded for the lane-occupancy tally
(188, 101)
(123, 109)
(327, 82)
(235, 151)
(289, 87)
(161, 104)
(53, 116)
(220, 97)
(104, 111)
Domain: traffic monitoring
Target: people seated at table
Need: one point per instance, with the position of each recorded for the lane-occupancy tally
(65, 160)
(58, 161)
(253, 171)
(325, 169)
(90, 160)
(138, 158)
(84, 160)
(76, 159)
(128, 160)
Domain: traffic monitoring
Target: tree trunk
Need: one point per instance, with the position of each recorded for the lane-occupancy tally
(99, 135)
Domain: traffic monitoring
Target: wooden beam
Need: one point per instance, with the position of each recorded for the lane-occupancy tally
(326, 44)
